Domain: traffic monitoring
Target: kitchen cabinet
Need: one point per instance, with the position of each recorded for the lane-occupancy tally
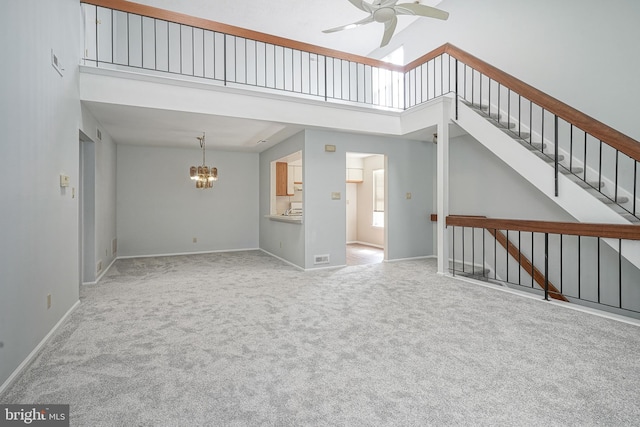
(355, 175)
(282, 179)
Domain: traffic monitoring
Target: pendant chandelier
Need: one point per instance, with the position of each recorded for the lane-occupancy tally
(203, 175)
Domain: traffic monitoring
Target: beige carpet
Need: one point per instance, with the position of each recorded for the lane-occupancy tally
(241, 339)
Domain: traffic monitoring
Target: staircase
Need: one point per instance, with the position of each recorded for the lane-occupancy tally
(534, 160)
(598, 189)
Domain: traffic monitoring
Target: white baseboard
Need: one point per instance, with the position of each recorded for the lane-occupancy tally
(14, 375)
(187, 253)
(104, 271)
(411, 259)
(282, 259)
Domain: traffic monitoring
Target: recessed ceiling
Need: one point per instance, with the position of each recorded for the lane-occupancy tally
(162, 128)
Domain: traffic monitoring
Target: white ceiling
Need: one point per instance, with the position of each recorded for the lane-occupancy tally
(293, 19)
(301, 20)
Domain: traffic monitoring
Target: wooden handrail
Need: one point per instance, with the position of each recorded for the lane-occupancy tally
(180, 18)
(613, 231)
(610, 136)
(597, 129)
(427, 57)
(515, 253)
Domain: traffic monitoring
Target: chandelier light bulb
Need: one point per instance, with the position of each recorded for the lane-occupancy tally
(203, 175)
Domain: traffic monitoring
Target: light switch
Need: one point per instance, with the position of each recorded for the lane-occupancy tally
(64, 180)
(408, 196)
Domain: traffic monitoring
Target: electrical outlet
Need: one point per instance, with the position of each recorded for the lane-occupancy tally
(408, 196)
(195, 240)
(99, 267)
(48, 301)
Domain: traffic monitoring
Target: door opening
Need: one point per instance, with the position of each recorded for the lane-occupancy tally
(86, 210)
(366, 208)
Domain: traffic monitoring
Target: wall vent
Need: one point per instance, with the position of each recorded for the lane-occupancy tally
(321, 259)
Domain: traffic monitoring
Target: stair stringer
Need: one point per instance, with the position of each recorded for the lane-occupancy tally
(572, 198)
(607, 183)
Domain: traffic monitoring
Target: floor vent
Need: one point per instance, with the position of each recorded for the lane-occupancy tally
(321, 259)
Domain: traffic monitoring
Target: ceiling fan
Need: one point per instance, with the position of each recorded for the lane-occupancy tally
(386, 12)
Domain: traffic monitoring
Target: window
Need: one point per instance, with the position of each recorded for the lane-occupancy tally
(395, 57)
(378, 198)
(389, 89)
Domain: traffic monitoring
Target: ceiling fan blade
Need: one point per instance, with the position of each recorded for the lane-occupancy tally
(364, 21)
(421, 10)
(389, 28)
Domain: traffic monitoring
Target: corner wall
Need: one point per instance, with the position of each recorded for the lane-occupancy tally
(409, 168)
(39, 121)
(105, 194)
(284, 240)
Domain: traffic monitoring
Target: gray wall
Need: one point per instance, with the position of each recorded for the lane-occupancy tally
(39, 120)
(159, 210)
(409, 169)
(482, 184)
(284, 240)
(104, 192)
(583, 52)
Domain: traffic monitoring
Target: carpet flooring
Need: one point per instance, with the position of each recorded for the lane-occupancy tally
(242, 339)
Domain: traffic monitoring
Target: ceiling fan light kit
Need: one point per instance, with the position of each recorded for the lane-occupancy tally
(386, 12)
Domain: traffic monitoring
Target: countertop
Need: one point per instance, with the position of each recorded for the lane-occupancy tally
(294, 219)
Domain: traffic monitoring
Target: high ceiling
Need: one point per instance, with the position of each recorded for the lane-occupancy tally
(293, 19)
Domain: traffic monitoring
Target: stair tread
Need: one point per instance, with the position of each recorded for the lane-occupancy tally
(538, 148)
(607, 200)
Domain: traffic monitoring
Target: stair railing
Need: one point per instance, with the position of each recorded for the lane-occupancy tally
(586, 262)
(122, 33)
(601, 157)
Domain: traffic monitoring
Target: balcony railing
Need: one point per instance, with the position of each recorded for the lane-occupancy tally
(584, 263)
(135, 36)
(124, 34)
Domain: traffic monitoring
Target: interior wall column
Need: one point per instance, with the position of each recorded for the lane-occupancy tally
(442, 186)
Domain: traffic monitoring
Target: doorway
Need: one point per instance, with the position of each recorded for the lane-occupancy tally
(86, 209)
(366, 201)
